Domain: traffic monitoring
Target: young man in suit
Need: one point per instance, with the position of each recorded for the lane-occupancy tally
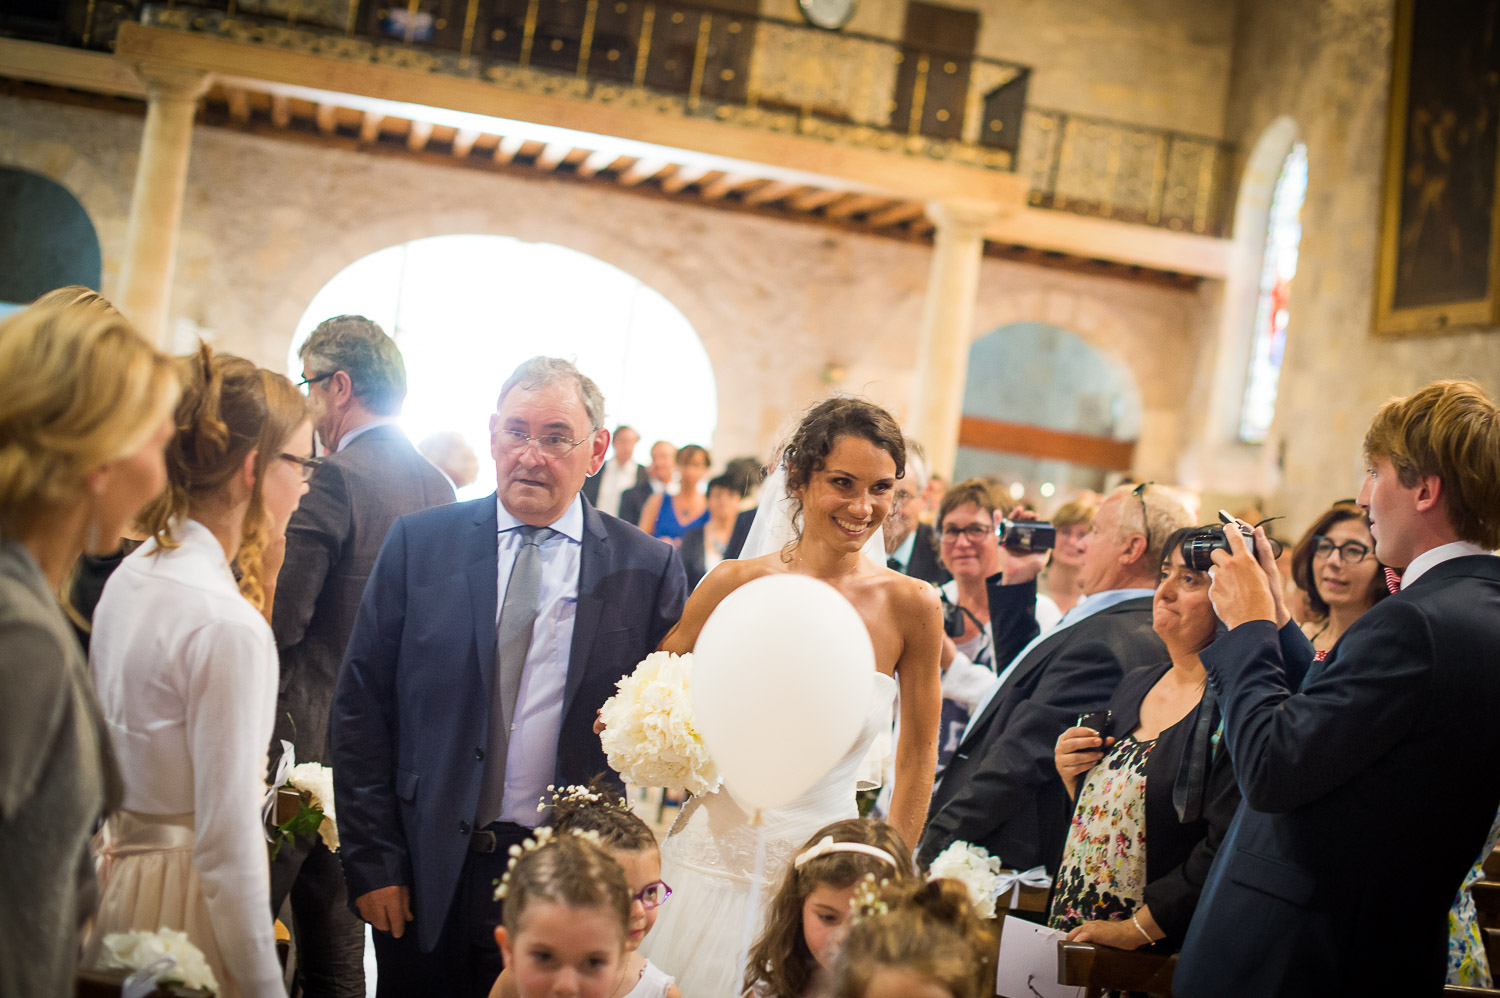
(658, 479)
(1380, 759)
(1000, 790)
(371, 474)
(490, 634)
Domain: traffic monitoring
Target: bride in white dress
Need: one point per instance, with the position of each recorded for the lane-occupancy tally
(840, 467)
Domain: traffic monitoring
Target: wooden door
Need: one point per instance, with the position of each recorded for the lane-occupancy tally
(932, 84)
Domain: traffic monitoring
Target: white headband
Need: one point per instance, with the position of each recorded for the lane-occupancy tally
(826, 845)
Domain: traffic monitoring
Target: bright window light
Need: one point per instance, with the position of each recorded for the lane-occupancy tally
(465, 310)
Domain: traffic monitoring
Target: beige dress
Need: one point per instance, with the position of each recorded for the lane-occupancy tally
(186, 671)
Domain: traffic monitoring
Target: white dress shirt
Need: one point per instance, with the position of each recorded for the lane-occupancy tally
(1433, 557)
(614, 479)
(187, 674)
(531, 753)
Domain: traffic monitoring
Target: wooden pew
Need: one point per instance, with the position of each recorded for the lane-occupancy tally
(1100, 968)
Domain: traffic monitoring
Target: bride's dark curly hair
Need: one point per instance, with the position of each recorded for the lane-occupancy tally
(780, 962)
(820, 429)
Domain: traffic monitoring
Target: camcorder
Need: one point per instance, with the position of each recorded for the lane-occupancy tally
(1199, 546)
(1026, 536)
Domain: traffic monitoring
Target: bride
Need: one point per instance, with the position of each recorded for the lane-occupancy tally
(841, 466)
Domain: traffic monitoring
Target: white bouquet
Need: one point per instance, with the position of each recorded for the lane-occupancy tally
(316, 780)
(169, 955)
(973, 867)
(649, 737)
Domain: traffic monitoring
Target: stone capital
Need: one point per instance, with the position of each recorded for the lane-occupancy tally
(165, 82)
(963, 217)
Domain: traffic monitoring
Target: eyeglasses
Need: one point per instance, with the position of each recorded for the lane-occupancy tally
(1140, 493)
(974, 533)
(307, 383)
(553, 445)
(652, 895)
(1350, 552)
(306, 465)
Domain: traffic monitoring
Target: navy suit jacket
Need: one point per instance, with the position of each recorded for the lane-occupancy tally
(1368, 794)
(411, 710)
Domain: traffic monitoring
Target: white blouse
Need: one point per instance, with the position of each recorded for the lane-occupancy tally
(187, 675)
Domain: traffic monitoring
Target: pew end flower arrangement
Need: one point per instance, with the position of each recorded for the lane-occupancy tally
(164, 958)
(313, 783)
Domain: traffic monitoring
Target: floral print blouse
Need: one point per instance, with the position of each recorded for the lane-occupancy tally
(1467, 964)
(1103, 872)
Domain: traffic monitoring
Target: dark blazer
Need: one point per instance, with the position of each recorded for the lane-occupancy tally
(633, 500)
(1368, 793)
(410, 715)
(736, 543)
(924, 563)
(694, 558)
(1178, 853)
(1000, 790)
(331, 544)
(590, 488)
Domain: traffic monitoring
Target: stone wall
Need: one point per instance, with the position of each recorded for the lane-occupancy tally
(267, 222)
(1326, 65)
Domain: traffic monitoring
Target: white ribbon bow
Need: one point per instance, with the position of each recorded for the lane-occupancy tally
(142, 983)
(1013, 881)
(288, 760)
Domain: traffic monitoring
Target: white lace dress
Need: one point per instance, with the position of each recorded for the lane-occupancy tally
(709, 858)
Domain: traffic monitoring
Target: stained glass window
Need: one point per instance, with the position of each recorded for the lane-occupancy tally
(1272, 317)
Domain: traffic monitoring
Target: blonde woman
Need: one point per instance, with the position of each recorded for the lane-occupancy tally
(186, 668)
(85, 411)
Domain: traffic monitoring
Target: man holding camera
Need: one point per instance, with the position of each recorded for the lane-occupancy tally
(1370, 786)
(1000, 791)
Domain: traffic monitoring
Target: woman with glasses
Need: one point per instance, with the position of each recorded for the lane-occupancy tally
(186, 668)
(1335, 567)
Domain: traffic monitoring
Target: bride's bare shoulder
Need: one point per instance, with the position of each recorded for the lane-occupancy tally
(909, 595)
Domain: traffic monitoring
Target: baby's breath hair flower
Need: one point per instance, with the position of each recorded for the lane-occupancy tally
(539, 838)
(867, 902)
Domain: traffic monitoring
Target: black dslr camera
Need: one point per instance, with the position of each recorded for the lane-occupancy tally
(1026, 536)
(1199, 546)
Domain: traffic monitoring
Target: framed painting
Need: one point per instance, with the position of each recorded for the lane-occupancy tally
(1439, 265)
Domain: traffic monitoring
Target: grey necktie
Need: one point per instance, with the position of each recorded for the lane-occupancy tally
(512, 642)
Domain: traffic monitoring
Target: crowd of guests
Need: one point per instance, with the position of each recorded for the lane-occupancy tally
(1195, 760)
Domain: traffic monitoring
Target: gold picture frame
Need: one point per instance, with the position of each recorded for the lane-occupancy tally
(1439, 266)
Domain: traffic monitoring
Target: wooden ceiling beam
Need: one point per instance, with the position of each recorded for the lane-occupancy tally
(771, 192)
(553, 155)
(898, 214)
(463, 142)
(682, 178)
(281, 110)
(369, 127)
(327, 118)
(855, 204)
(727, 184)
(508, 147)
(815, 199)
(239, 105)
(417, 138)
(596, 162)
(642, 170)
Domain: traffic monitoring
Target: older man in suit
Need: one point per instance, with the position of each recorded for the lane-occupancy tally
(488, 637)
(1000, 790)
(658, 481)
(356, 383)
(1381, 759)
(619, 474)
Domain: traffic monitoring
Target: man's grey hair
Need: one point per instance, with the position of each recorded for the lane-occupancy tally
(361, 349)
(1167, 512)
(538, 372)
(916, 475)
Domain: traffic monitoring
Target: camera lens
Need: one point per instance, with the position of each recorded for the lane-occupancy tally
(1198, 548)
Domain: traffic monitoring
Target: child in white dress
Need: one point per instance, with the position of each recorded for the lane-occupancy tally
(597, 810)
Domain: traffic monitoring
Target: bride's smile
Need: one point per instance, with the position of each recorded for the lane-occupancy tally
(852, 492)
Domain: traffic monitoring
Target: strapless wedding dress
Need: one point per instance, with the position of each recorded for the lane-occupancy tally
(708, 860)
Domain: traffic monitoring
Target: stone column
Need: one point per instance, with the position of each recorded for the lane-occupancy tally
(156, 207)
(947, 326)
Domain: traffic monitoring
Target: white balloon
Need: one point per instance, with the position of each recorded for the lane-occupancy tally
(781, 686)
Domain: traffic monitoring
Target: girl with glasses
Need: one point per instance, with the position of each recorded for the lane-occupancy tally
(1334, 565)
(599, 809)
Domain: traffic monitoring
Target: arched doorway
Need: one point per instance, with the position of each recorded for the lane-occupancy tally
(1046, 413)
(47, 240)
(466, 309)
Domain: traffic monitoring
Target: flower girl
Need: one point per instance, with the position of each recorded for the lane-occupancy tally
(915, 940)
(809, 915)
(566, 918)
(596, 811)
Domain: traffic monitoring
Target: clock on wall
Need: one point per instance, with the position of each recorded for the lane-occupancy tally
(830, 14)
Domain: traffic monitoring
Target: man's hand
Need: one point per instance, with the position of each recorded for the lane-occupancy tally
(1243, 587)
(387, 909)
(1020, 566)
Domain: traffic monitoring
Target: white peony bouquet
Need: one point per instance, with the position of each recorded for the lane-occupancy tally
(315, 781)
(649, 737)
(973, 867)
(167, 955)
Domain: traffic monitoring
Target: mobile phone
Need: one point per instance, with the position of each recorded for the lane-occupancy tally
(1099, 720)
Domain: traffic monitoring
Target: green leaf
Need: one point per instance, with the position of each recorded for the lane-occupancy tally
(304, 822)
